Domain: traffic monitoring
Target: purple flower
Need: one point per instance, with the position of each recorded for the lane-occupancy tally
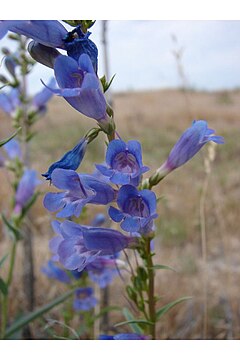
(124, 162)
(13, 149)
(40, 99)
(124, 336)
(191, 141)
(9, 102)
(84, 299)
(80, 86)
(47, 32)
(102, 270)
(69, 247)
(80, 190)
(25, 189)
(53, 271)
(137, 209)
(77, 43)
(76, 246)
(71, 160)
(56, 240)
(52, 34)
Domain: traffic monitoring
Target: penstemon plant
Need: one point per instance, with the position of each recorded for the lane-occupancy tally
(118, 183)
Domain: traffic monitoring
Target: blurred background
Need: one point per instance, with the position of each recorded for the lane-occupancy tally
(167, 74)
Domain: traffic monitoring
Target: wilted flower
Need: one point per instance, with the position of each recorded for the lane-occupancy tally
(71, 160)
(123, 162)
(137, 208)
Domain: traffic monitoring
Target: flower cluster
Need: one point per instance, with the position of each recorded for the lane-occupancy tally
(117, 183)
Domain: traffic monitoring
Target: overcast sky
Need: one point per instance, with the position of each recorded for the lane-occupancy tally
(140, 53)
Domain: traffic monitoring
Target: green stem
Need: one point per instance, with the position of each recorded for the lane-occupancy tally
(4, 311)
(150, 292)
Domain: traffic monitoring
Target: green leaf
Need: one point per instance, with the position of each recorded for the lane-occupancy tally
(12, 228)
(163, 267)
(3, 142)
(3, 287)
(3, 260)
(23, 321)
(129, 316)
(167, 307)
(135, 321)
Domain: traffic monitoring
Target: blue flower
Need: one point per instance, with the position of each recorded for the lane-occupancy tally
(124, 336)
(71, 160)
(137, 209)
(13, 149)
(191, 141)
(41, 99)
(10, 101)
(52, 34)
(80, 86)
(77, 43)
(76, 246)
(106, 241)
(70, 248)
(25, 189)
(47, 32)
(123, 162)
(102, 270)
(53, 271)
(80, 190)
(84, 299)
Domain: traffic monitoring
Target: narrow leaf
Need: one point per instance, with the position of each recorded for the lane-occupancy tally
(12, 228)
(129, 316)
(23, 321)
(167, 307)
(3, 142)
(3, 287)
(136, 321)
(3, 260)
(163, 267)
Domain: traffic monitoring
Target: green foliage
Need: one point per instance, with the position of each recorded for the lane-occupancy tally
(23, 321)
(5, 141)
(163, 310)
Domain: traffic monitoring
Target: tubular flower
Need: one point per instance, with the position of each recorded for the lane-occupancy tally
(123, 162)
(71, 160)
(102, 270)
(136, 210)
(13, 149)
(84, 299)
(25, 189)
(52, 34)
(53, 271)
(80, 86)
(191, 141)
(80, 190)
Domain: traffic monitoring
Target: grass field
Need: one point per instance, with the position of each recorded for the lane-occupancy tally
(157, 119)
